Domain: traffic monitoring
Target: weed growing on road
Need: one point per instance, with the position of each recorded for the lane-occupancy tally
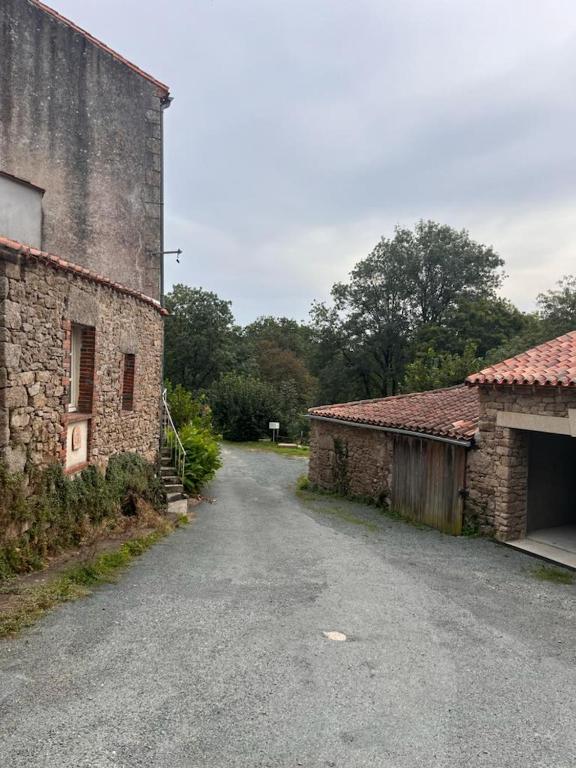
(72, 584)
(555, 575)
(303, 483)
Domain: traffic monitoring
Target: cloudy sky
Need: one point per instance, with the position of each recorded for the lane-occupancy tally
(303, 130)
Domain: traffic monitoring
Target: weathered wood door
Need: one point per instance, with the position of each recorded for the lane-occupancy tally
(426, 480)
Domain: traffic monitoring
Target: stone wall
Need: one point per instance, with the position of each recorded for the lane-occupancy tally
(38, 304)
(350, 459)
(497, 474)
(87, 128)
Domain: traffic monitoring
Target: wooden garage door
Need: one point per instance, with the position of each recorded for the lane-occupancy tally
(426, 479)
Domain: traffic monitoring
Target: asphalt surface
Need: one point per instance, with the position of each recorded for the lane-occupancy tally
(210, 651)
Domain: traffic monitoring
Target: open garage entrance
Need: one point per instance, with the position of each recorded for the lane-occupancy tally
(551, 497)
(551, 482)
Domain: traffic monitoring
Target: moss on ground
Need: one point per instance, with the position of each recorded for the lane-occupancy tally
(553, 574)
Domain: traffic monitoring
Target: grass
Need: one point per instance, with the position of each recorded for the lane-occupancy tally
(72, 584)
(301, 452)
(555, 575)
(309, 493)
(317, 501)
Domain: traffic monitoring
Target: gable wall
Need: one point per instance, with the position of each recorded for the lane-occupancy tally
(87, 129)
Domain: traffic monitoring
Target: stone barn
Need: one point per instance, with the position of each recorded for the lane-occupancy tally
(408, 451)
(499, 450)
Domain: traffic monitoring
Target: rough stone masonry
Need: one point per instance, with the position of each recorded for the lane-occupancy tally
(39, 300)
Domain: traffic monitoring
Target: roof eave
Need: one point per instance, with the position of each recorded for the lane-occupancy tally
(462, 442)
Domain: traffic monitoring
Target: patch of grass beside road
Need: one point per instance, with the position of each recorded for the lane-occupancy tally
(323, 502)
(555, 575)
(300, 451)
(30, 603)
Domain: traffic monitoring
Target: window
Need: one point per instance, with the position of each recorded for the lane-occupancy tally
(82, 352)
(20, 210)
(128, 383)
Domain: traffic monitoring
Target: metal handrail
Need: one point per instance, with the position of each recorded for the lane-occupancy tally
(176, 447)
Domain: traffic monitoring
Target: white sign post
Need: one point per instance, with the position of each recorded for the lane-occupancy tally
(275, 427)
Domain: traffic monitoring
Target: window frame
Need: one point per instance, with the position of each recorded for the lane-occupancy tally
(128, 382)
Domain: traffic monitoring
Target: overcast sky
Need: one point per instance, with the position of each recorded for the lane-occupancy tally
(303, 130)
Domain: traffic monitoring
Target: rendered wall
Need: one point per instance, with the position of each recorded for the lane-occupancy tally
(87, 129)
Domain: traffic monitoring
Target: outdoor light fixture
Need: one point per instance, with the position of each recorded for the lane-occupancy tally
(169, 253)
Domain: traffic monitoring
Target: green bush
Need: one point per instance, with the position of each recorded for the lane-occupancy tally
(57, 511)
(130, 478)
(186, 408)
(202, 455)
(243, 406)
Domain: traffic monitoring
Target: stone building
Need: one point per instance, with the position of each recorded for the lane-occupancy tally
(407, 451)
(521, 477)
(81, 325)
(499, 450)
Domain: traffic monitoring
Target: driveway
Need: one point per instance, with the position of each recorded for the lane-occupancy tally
(210, 652)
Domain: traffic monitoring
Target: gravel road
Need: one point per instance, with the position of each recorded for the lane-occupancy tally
(210, 652)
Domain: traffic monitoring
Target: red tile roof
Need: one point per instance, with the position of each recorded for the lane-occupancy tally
(67, 266)
(552, 364)
(94, 40)
(450, 413)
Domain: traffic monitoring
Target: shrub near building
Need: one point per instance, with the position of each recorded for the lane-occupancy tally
(56, 511)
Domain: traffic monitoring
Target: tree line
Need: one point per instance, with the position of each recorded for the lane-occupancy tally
(421, 311)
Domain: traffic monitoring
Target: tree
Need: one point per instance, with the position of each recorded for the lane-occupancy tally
(243, 406)
(488, 322)
(285, 333)
(409, 284)
(199, 339)
(280, 349)
(558, 307)
(432, 369)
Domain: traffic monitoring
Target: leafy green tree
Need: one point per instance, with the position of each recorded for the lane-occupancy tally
(487, 322)
(284, 333)
(243, 406)
(558, 307)
(200, 337)
(431, 369)
(411, 284)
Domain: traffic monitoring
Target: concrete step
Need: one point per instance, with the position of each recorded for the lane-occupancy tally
(174, 488)
(166, 461)
(178, 508)
(171, 497)
(171, 480)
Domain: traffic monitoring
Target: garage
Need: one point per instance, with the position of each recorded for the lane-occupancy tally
(551, 503)
(522, 478)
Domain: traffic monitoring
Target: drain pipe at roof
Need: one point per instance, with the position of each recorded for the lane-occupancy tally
(407, 432)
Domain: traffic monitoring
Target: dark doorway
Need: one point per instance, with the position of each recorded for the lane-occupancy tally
(551, 481)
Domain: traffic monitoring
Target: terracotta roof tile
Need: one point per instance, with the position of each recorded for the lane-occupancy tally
(67, 266)
(99, 44)
(552, 364)
(452, 413)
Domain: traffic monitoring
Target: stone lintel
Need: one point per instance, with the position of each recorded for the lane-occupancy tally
(555, 425)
